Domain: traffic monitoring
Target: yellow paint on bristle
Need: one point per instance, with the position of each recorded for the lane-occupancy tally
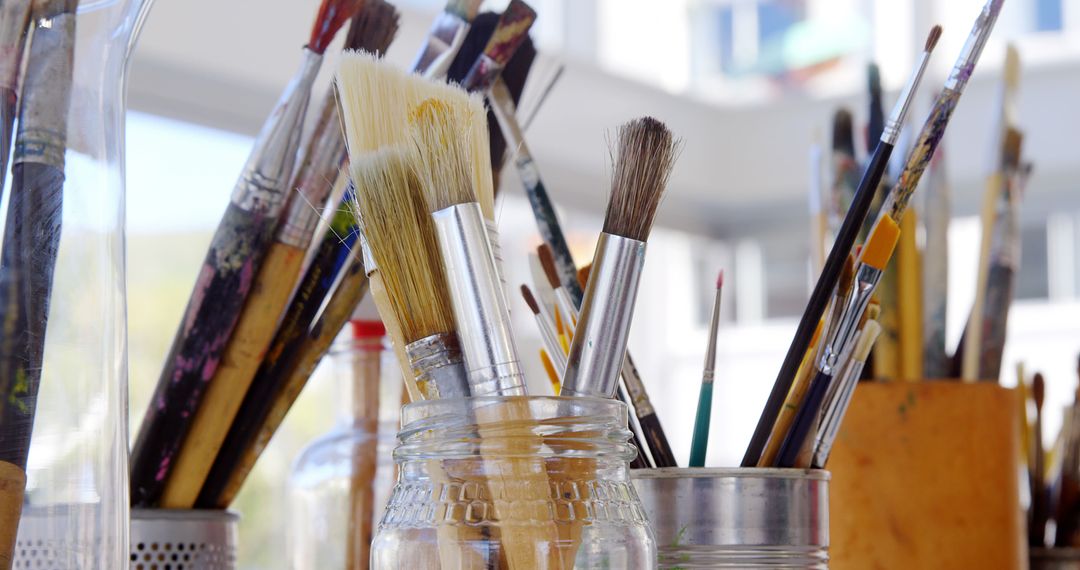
(553, 376)
(879, 247)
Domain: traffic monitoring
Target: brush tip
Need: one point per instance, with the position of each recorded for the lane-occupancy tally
(873, 77)
(373, 27)
(720, 279)
(547, 262)
(530, 300)
(843, 132)
(645, 152)
(881, 243)
(932, 38)
(331, 17)
(1038, 389)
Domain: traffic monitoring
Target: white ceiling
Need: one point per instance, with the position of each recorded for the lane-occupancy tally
(742, 168)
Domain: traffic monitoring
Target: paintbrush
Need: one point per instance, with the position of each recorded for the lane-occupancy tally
(372, 30)
(1037, 532)
(566, 306)
(801, 384)
(700, 442)
(643, 158)
(365, 378)
(833, 414)
(997, 212)
(401, 239)
(935, 277)
(842, 245)
(30, 247)
(547, 332)
(234, 258)
(333, 252)
(845, 170)
(872, 261)
(445, 38)
(909, 306)
(14, 22)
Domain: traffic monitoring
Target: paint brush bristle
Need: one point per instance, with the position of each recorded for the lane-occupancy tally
(644, 154)
(1038, 390)
(847, 277)
(464, 9)
(401, 237)
(331, 17)
(547, 261)
(530, 300)
(1014, 140)
(932, 38)
(436, 126)
(583, 275)
(843, 133)
(373, 27)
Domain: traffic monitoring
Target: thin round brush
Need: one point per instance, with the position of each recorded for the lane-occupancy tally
(833, 415)
(699, 444)
(372, 29)
(14, 30)
(872, 262)
(401, 238)
(845, 239)
(1039, 507)
(547, 333)
(31, 243)
(791, 404)
(644, 155)
(476, 294)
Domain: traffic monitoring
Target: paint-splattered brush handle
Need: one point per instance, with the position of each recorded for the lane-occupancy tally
(31, 242)
(339, 307)
(333, 252)
(212, 311)
(550, 230)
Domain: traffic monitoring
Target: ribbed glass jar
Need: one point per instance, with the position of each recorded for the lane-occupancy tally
(514, 482)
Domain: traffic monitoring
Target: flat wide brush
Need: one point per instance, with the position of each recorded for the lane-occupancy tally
(644, 155)
(845, 239)
(372, 29)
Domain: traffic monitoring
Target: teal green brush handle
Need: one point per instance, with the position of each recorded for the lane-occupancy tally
(701, 426)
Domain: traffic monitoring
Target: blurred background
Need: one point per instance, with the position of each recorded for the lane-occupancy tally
(749, 85)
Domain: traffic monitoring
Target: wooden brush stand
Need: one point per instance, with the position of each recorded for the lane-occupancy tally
(925, 475)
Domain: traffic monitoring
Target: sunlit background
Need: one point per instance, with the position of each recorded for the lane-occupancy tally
(749, 85)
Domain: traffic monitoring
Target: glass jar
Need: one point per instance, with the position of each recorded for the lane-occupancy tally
(524, 482)
(341, 481)
(63, 347)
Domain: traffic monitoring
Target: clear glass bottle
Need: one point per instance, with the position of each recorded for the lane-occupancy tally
(63, 359)
(524, 482)
(341, 481)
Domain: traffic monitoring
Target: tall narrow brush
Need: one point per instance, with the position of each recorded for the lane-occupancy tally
(31, 243)
(842, 245)
(235, 255)
(833, 415)
(700, 442)
(1039, 501)
(644, 155)
(547, 332)
(935, 277)
(845, 169)
(14, 29)
(372, 30)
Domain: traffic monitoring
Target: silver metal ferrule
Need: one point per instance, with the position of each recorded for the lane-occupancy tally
(438, 367)
(264, 183)
(599, 346)
(976, 41)
(444, 39)
(833, 415)
(847, 322)
(551, 342)
(479, 302)
(891, 133)
(46, 99)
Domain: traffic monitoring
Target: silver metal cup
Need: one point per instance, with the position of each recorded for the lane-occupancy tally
(737, 518)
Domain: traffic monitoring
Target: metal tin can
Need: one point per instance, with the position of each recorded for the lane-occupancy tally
(737, 518)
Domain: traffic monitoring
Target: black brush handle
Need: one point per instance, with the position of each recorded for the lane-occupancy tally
(819, 300)
(804, 421)
(657, 441)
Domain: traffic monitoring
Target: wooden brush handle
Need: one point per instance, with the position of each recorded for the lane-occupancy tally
(12, 487)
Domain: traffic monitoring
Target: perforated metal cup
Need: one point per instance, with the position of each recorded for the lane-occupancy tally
(160, 539)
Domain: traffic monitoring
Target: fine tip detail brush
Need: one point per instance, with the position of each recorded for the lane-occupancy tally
(445, 38)
(1039, 507)
(547, 331)
(235, 255)
(700, 442)
(842, 245)
(872, 262)
(401, 238)
(644, 155)
(476, 293)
